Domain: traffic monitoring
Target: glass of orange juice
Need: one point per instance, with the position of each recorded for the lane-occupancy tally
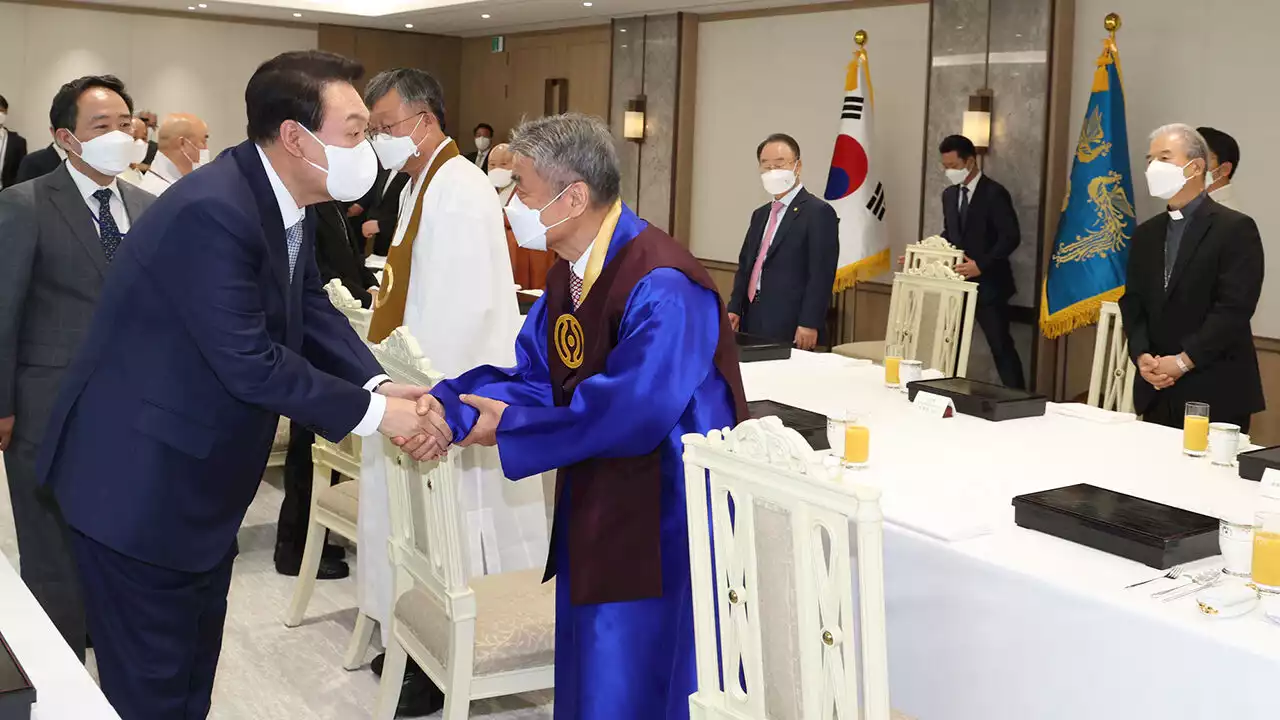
(892, 363)
(1195, 429)
(857, 440)
(1266, 557)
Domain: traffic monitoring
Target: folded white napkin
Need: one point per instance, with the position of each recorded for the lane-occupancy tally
(1090, 413)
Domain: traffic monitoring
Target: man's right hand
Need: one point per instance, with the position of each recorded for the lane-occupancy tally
(735, 321)
(6, 432)
(419, 436)
(369, 228)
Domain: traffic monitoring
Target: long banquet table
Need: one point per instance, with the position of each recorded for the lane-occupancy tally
(989, 621)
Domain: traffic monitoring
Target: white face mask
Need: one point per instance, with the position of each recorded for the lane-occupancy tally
(526, 223)
(351, 172)
(1208, 177)
(956, 176)
(202, 156)
(500, 177)
(109, 154)
(139, 151)
(777, 182)
(1164, 180)
(393, 151)
(482, 143)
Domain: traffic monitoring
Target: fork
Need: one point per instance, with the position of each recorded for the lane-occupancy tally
(1189, 590)
(1205, 577)
(1174, 573)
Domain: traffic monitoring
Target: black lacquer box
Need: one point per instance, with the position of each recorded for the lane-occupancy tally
(1254, 464)
(17, 695)
(752, 348)
(811, 425)
(1148, 532)
(984, 400)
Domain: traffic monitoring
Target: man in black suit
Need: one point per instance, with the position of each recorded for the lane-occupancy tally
(338, 255)
(13, 148)
(787, 266)
(484, 142)
(1195, 274)
(380, 211)
(39, 163)
(978, 218)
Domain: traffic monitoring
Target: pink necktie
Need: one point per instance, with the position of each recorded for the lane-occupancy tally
(575, 289)
(774, 214)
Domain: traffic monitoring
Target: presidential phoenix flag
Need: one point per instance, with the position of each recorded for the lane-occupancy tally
(853, 187)
(1092, 247)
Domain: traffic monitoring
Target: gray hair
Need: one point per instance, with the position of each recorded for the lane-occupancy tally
(417, 89)
(569, 148)
(1192, 141)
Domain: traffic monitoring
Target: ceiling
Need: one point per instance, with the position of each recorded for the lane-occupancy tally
(446, 17)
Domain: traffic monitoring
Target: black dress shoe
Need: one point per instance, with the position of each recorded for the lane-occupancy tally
(334, 552)
(418, 695)
(376, 665)
(329, 569)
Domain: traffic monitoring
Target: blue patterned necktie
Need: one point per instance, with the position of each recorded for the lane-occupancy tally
(293, 236)
(108, 231)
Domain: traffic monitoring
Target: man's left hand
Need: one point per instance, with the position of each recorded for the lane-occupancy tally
(806, 338)
(968, 269)
(485, 431)
(1168, 365)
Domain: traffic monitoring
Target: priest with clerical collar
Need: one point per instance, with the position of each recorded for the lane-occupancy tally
(629, 350)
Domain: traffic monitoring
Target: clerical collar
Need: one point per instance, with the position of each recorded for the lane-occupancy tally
(1188, 209)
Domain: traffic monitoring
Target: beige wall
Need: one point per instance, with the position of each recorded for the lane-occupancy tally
(502, 88)
(785, 73)
(1202, 63)
(169, 64)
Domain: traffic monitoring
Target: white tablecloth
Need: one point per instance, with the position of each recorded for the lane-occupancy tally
(988, 621)
(64, 690)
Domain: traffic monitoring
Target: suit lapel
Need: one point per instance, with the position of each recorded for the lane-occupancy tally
(66, 197)
(786, 221)
(246, 155)
(1191, 239)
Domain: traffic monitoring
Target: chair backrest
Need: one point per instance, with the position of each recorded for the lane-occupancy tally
(426, 542)
(1111, 381)
(342, 299)
(781, 581)
(931, 315)
(934, 248)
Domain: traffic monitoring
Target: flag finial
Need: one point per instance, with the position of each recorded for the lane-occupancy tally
(860, 37)
(1112, 24)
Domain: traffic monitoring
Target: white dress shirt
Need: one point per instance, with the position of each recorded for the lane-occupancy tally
(579, 266)
(972, 185)
(291, 214)
(163, 173)
(88, 187)
(4, 143)
(786, 201)
(1225, 196)
(481, 157)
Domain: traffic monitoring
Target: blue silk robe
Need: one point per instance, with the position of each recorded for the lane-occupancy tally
(625, 660)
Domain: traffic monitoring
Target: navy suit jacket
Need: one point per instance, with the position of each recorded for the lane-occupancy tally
(162, 429)
(990, 235)
(799, 271)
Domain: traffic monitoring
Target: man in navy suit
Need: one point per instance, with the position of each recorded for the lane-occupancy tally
(787, 266)
(978, 217)
(211, 325)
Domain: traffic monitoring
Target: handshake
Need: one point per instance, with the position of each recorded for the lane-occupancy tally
(415, 422)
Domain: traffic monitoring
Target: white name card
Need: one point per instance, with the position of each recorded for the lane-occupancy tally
(934, 405)
(1270, 484)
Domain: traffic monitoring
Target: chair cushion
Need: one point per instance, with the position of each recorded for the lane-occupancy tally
(515, 622)
(281, 441)
(872, 350)
(342, 500)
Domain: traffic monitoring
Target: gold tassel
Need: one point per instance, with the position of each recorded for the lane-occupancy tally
(1074, 316)
(864, 269)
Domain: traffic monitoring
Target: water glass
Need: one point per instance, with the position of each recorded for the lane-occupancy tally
(1236, 543)
(1195, 429)
(835, 434)
(1224, 443)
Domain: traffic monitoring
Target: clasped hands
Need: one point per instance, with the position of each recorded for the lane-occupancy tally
(1161, 371)
(415, 422)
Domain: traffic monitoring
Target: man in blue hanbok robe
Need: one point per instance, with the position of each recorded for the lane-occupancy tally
(629, 350)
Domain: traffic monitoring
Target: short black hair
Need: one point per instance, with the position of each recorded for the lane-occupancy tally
(289, 87)
(1222, 145)
(958, 144)
(4, 104)
(483, 126)
(62, 113)
(782, 138)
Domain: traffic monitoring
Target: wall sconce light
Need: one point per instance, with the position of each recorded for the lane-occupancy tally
(633, 120)
(977, 120)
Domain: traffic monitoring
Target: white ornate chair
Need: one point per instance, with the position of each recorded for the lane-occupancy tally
(1111, 381)
(793, 641)
(334, 508)
(931, 315)
(490, 637)
(934, 248)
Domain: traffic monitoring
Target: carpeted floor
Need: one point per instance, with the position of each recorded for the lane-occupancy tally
(270, 672)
